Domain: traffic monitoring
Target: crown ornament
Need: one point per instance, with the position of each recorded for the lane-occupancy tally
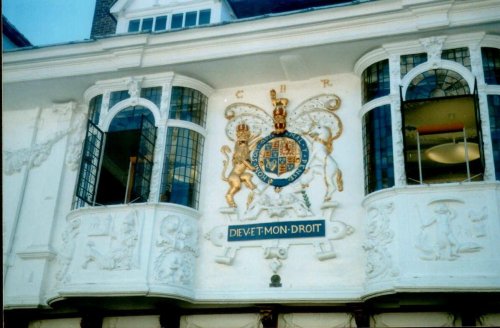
(242, 132)
(279, 113)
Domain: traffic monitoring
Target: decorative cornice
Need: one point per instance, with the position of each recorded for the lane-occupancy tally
(349, 23)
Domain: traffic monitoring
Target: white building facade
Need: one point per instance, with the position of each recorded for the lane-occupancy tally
(336, 167)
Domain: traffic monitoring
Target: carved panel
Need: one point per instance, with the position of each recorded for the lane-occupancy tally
(378, 237)
(447, 232)
(177, 249)
(115, 249)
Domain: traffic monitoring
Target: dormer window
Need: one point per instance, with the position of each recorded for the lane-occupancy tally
(177, 20)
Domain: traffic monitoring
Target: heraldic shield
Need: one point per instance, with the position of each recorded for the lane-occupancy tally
(280, 155)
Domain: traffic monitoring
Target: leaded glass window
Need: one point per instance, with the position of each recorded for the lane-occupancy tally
(182, 167)
(95, 109)
(378, 157)
(491, 65)
(188, 105)
(408, 62)
(494, 114)
(437, 83)
(459, 55)
(117, 96)
(376, 81)
(152, 94)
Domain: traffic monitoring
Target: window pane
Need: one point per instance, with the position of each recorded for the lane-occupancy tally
(177, 20)
(133, 25)
(152, 94)
(494, 113)
(491, 65)
(161, 23)
(95, 109)
(182, 167)
(442, 140)
(204, 17)
(408, 62)
(188, 105)
(130, 119)
(459, 55)
(147, 24)
(89, 168)
(375, 81)
(191, 18)
(377, 135)
(144, 163)
(437, 83)
(117, 96)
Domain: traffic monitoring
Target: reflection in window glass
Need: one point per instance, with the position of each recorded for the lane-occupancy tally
(147, 24)
(133, 25)
(191, 18)
(204, 17)
(152, 94)
(188, 105)
(437, 83)
(117, 96)
(376, 81)
(177, 20)
(408, 62)
(377, 134)
(182, 167)
(161, 23)
(491, 65)
(459, 55)
(494, 113)
(95, 109)
(442, 140)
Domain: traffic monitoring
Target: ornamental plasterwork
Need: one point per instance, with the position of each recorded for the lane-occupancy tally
(177, 247)
(67, 251)
(447, 232)
(378, 236)
(434, 48)
(112, 243)
(38, 152)
(269, 171)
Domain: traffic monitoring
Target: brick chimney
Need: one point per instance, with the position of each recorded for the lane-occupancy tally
(104, 23)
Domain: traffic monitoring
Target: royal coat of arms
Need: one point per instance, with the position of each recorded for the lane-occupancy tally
(275, 159)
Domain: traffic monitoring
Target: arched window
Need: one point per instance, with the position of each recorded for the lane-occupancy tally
(442, 135)
(117, 164)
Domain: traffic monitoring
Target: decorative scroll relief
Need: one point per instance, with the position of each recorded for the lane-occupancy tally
(176, 248)
(447, 232)
(378, 236)
(36, 154)
(65, 255)
(274, 161)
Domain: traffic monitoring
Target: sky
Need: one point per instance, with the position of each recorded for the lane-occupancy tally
(45, 22)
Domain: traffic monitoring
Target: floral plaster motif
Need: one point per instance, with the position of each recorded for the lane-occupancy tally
(379, 236)
(177, 249)
(65, 255)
